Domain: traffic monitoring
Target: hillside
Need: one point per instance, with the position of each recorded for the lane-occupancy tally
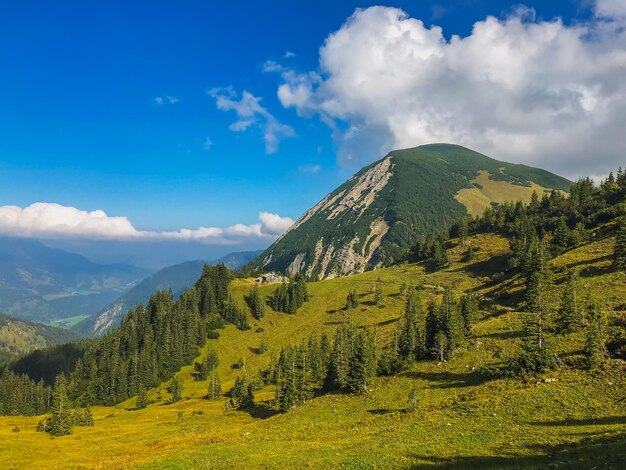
(567, 417)
(177, 278)
(46, 284)
(18, 337)
(373, 218)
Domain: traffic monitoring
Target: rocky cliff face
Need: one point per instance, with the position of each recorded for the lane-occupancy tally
(375, 216)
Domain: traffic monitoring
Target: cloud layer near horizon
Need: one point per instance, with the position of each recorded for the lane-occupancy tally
(517, 89)
(54, 221)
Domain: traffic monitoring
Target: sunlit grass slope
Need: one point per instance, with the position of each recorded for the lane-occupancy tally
(461, 419)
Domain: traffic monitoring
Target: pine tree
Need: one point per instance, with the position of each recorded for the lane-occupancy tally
(256, 303)
(362, 363)
(619, 251)
(568, 316)
(352, 300)
(215, 387)
(451, 322)
(142, 397)
(410, 343)
(60, 422)
(242, 393)
(469, 312)
(175, 389)
(440, 345)
(595, 343)
(378, 293)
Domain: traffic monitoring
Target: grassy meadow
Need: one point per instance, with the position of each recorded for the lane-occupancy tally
(568, 418)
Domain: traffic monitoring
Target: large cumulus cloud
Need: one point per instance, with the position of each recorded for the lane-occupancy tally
(518, 89)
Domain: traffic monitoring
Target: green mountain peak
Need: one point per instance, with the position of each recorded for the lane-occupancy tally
(374, 217)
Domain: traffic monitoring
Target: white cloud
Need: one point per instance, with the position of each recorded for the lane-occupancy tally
(309, 168)
(518, 89)
(54, 221)
(289, 55)
(207, 144)
(161, 100)
(274, 223)
(250, 113)
(611, 8)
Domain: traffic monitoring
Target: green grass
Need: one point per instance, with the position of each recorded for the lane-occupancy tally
(67, 322)
(462, 420)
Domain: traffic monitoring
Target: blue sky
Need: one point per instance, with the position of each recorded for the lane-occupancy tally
(108, 106)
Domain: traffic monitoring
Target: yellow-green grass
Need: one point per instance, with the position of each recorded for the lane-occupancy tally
(461, 419)
(477, 199)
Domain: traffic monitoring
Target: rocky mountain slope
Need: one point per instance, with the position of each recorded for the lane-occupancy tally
(373, 218)
(177, 278)
(19, 337)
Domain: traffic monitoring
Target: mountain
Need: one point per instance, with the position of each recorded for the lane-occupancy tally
(177, 278)
(45, 284)
(18, 337)
(373, 218)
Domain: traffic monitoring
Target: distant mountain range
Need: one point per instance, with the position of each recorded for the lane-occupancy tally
(18, 337)
(377, 215)
(177, 278)
(44, 284)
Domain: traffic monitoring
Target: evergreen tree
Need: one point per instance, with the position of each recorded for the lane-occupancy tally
(452, 323)
(242, 393)
(215, 387)
(256, 303)
(352, 300)
(175, 389)
(595, 343)
(142, 397)
(378, 293)
(619, 251)
(339, 367)
(410, 342)
(362, 363)
(61, 421)
(469, 312)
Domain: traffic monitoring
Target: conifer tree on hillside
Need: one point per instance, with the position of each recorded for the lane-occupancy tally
(242, 393)
(362, 363)
(596, 336)
(215, 387)
(619, 251)
(469, 312)
(378, 293)
(410, 342)
(256, 303)
(60, 422)
(452, 322)
(175, 389)
(142, 397)
(352, 300)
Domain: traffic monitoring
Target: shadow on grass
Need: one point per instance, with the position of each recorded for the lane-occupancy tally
(262, 411)
(606, 453)
(606, 420)
(491, 266)
(592, 271)
(501, 335)
(388, 411)
(388, 322)
(448, 379)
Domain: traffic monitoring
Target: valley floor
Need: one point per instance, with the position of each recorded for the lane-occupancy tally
(566, 419)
